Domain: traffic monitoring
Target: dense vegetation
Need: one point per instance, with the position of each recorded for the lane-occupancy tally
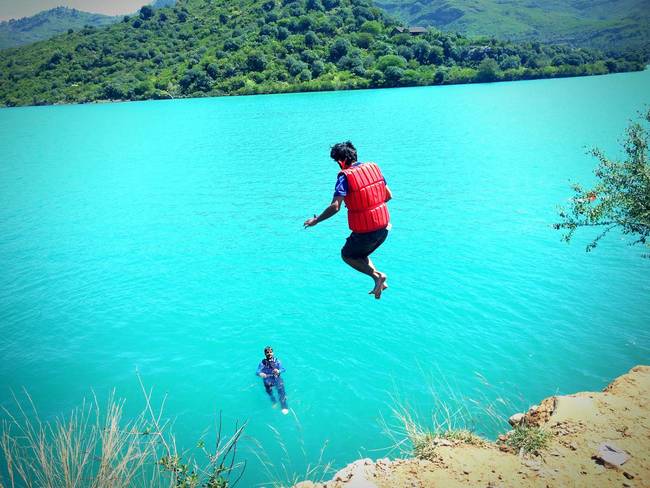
(610, 25)
(47, 24)
(219, 47)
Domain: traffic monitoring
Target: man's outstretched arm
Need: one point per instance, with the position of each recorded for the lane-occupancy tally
(332, 209)
(259, 370)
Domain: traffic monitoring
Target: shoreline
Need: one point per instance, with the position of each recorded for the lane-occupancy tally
(593, 439)
(293, 92)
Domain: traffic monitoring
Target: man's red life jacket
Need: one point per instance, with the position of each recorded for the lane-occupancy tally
(366, 198)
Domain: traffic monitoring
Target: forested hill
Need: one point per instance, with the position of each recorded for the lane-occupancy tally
(222, 47)
(610, 25)
(47, 24)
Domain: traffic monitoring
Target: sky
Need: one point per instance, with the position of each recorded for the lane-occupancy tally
(24, 8)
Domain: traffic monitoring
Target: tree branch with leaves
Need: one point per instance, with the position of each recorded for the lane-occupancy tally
(620, 199)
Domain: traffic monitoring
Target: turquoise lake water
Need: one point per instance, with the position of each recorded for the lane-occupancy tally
(166, 237)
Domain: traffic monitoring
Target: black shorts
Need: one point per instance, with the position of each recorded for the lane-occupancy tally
(363, 245)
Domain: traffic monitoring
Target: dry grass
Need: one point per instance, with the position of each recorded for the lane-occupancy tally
(421, 442)
(88, 448)
(463, 436)
(284, 472)
(97, 447)
(452, 420)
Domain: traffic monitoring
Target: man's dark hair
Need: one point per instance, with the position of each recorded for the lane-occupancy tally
(344, 151)
(267, 349)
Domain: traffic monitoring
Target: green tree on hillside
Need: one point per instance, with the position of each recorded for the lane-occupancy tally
(488, 70)
(621, 197)
(146, 12)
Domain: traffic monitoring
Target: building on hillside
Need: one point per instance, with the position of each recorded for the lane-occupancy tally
(414, 31)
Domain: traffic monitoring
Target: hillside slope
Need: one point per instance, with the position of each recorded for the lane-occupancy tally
(615, 25)
(47, 24)
(237, 47)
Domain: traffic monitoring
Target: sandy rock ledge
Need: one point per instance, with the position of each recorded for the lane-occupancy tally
(599, 439)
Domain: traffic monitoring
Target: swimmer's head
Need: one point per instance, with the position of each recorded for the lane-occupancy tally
(268, 352)
(344, 153)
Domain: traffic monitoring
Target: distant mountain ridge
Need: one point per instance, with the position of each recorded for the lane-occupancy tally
(52, 22)
(47, 24)
(609, 25)
(163, 3)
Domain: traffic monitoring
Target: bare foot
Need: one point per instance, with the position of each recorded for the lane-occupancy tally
(380, 285)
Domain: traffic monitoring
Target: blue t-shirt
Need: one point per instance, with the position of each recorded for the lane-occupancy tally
(341, 187)
(267, 368)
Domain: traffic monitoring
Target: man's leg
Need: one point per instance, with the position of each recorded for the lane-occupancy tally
(380, 283)
(283, 397)
(356, 252)
(365, 266)
(269, 392)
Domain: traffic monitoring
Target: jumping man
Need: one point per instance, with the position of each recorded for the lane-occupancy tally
(363, 189)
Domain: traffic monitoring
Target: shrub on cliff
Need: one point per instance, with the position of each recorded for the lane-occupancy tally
(621, 197)
(527, 439)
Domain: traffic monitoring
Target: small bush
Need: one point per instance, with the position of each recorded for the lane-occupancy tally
(528, 439)
(423, 446)
(425, 443)
(464, 436)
